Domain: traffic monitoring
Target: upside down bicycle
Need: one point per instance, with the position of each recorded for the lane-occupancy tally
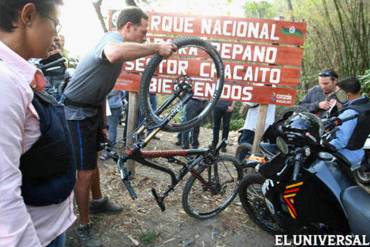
(214, 179)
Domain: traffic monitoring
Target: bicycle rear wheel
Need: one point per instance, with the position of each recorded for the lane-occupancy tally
(212, 188)
(173, 102)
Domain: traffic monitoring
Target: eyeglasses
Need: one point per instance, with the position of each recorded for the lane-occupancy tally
(56, 23)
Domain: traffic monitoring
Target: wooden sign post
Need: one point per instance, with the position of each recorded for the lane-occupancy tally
(132, 120)
(260, 127)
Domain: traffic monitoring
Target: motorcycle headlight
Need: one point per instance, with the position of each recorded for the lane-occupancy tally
(282, 145)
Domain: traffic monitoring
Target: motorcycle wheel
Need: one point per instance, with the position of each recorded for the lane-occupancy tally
(253, 202)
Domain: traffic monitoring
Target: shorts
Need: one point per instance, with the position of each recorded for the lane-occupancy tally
(86, 139)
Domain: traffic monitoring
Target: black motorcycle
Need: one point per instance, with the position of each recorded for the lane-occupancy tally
(305, 186)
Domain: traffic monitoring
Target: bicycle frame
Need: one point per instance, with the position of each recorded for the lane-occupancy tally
(137, 154)
(142, 157)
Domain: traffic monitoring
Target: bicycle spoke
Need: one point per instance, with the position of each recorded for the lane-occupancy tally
(204, 198)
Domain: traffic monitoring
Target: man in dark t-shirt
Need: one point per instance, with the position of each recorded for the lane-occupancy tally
(321, 98)
(84, 98)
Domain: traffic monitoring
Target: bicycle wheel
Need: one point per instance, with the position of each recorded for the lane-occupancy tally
(253, 202)
(170, 103)
(212, 188)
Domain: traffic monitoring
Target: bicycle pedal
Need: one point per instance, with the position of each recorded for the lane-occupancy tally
(159, 200)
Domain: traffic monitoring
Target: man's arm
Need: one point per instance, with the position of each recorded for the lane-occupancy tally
(127, 51)
(310, 101)
(16, 227)
(344, 131)
(230, 108)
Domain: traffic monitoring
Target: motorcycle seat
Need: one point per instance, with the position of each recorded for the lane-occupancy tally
(356, 202)
(270, 149)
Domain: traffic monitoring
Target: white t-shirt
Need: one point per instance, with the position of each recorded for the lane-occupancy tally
(252, 117)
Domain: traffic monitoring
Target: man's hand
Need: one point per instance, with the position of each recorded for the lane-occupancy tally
(325, 105)
(166, 50)
(230, 108)
(332, 102)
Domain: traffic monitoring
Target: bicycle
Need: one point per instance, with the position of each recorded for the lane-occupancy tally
(214, 179)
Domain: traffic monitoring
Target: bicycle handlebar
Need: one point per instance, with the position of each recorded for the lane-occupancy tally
(125, 174)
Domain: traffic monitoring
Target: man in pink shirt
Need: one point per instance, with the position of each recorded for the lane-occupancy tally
(27, 29)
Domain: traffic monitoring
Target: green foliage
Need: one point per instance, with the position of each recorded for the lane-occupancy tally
(338, 35)
(365, 82)
(236, 124)
(237, 119)
(260, 9)
(148, 237)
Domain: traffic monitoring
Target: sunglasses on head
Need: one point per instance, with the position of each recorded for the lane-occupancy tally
(327, 73)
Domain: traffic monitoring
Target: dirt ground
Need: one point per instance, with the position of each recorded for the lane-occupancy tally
(143, 224)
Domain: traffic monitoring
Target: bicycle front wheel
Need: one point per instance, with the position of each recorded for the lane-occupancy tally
(211, 188)
(167, 103)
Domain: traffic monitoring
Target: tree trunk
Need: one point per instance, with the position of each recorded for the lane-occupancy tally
(97, 6)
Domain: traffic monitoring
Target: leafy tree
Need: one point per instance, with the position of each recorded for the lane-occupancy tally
(262, 9)
(338, 34)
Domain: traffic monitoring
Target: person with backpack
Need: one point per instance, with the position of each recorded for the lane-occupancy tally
(351, 135)
(37, 170)
(85, 97)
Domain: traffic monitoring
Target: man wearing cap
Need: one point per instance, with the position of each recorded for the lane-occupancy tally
(321, 98)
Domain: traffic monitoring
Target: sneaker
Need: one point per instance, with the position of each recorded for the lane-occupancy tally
(105, 206)
(86, 237)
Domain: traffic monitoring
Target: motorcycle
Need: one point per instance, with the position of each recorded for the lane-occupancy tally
(306, 186)
(268, 145)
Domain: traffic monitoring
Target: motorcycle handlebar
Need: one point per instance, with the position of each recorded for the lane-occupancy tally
(297, 164)
(336, 121)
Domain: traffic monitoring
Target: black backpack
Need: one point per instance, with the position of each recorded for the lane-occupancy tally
(48, 167)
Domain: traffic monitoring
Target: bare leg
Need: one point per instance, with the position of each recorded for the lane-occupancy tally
(83, 186)
(95, 186)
